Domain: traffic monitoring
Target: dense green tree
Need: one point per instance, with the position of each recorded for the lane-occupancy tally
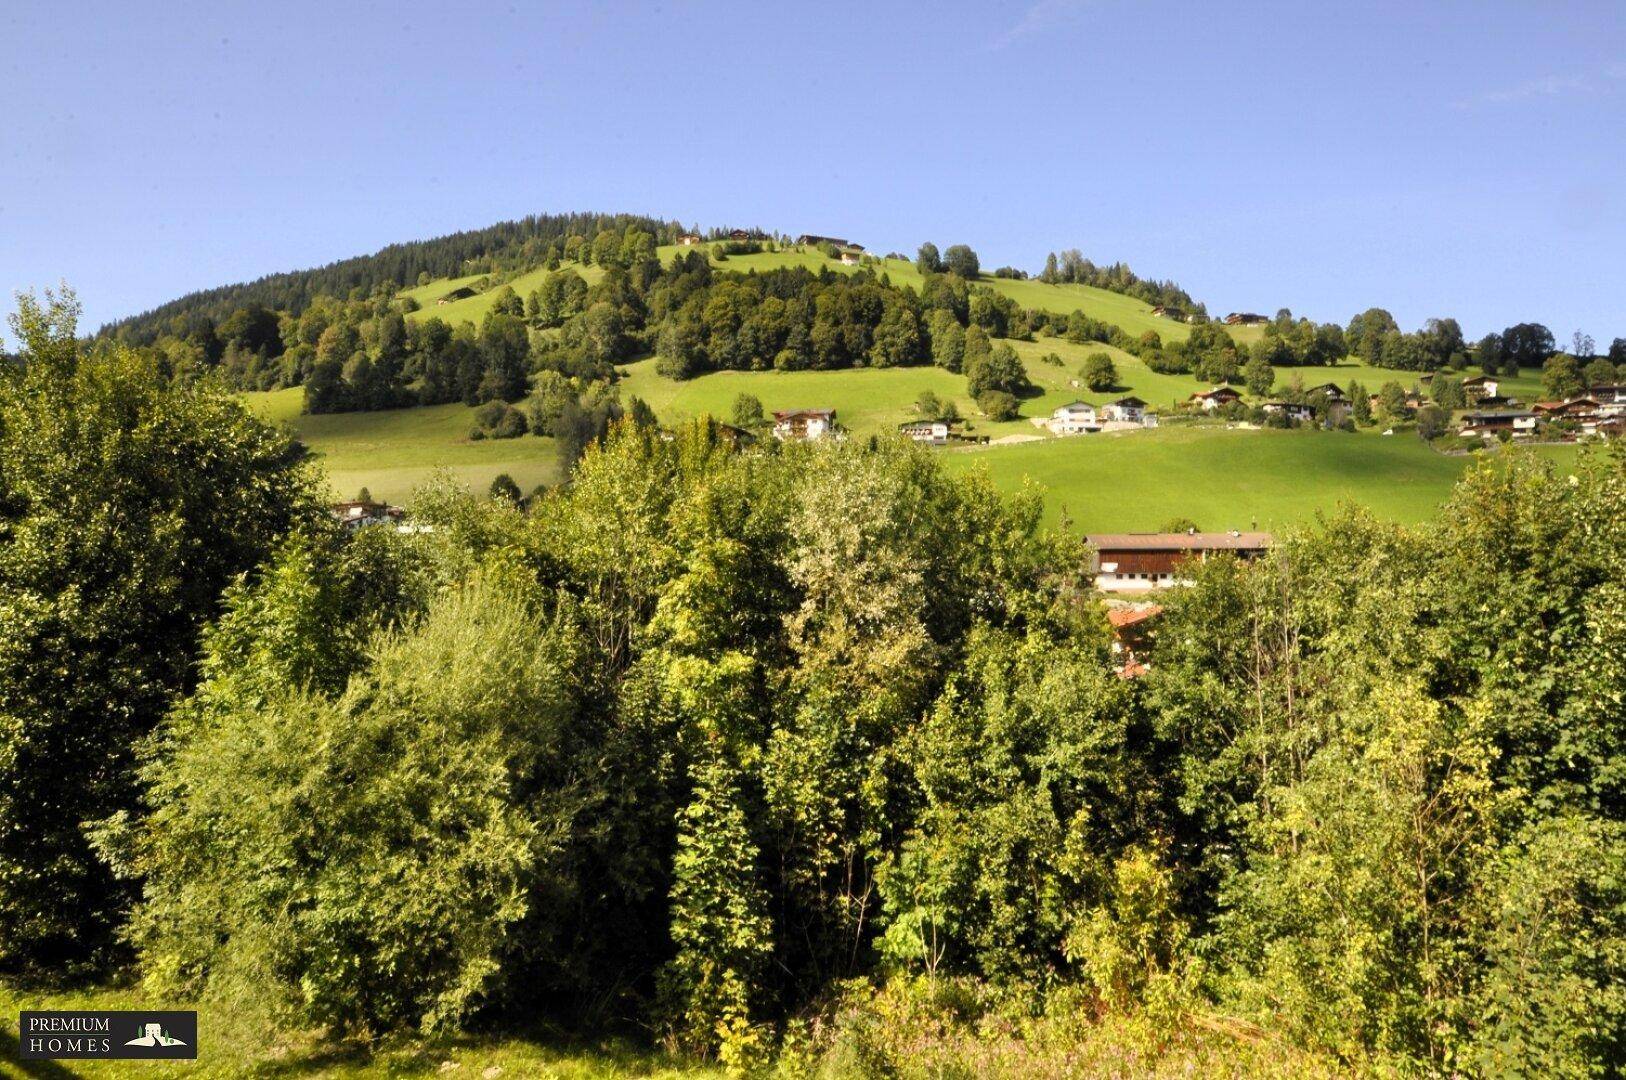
(1526, 345)
(927, 260)
(1561, 377)
(948, 340)
(1599, 372)
(126, 506)
(962, 261)
(747, 412)
(1099, 373)
(1258, 375)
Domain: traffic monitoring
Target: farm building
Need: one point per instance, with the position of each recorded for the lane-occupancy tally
(931, 432)
(1244, 318)
(1332, 392)
(1135, 562)
(688, 240)
(804, 425)
(850, 257)
(1074, 418)
(1213, 399)
(1480, 386)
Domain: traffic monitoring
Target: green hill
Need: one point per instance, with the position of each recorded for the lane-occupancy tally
(1134, 316)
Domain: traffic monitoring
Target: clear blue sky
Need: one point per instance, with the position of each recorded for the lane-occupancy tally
(1436, 159)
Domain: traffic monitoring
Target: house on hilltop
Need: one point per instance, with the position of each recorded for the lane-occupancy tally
(810, 240)
(688, 239)
(804, 425)
(1136, 562)
(1244, 318)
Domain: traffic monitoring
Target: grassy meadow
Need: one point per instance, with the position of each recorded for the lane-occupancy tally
(393, 452)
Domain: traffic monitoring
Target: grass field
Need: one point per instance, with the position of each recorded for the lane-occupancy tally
(1223, 479)
(393, 452)
(223, 1052)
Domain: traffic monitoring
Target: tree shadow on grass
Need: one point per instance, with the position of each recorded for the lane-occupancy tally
(11, 1053)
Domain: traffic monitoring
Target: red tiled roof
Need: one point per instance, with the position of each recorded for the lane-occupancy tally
(1121, 617)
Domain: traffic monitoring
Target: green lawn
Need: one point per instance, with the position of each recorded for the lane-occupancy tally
(391, 453)
(1223, 479)
(223, 1051)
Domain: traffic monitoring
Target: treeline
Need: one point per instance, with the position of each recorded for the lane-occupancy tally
(507, 245)
(710, 740)
(1072, 268)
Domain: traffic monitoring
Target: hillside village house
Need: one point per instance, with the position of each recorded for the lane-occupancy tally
(804, 425)
(1480, 386)
(1299, 414)
(1074, 418)
(930, 432)
(1244, 318)
(1137, 562)
(1332, 392)
(809, 240)
(1213, 399)
(1126, 410)
(1611, 399)
(688, 239)
(361, 514)
(850, 257)
(1490, 425)
(1132, 637)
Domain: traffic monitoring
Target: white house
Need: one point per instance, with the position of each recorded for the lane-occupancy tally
(1126, 410)
(804, 424)
(1480, 386)
(1299, 414)
(1213, 399)
(931, 432)
(1075, 418)
(851, 258)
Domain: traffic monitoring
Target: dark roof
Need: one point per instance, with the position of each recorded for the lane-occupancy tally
(1482, 416)
(1131, 401)
(805, 414)
(1480, 380)
(1182, 541)
(1218, 391)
